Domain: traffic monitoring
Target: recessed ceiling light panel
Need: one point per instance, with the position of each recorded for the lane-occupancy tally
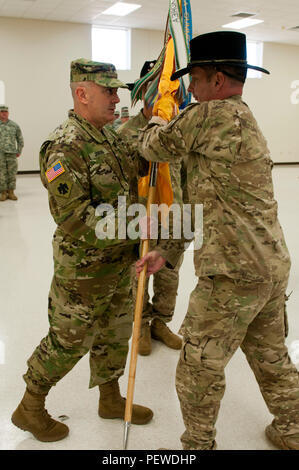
(245, 23)
(121, 9)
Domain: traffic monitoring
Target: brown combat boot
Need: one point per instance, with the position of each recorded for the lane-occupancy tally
(281, 441)
(161, 332)
(3, 196)
(11, 195)
(145, 340)
(112, 405)
(32, 416)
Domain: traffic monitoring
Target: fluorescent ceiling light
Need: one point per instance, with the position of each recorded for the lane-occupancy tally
(121, 9)
(239, 24)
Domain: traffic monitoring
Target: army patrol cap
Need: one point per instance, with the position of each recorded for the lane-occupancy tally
(124, 112)
(99, 72)
(3, 108)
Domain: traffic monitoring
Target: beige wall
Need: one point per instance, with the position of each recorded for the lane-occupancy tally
(34, 66)
(146, 45)
(270, 100)
(35, 58)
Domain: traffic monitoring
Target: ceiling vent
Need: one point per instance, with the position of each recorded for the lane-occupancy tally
(243, 15)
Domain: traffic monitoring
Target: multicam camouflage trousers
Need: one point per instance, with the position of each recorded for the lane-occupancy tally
(8, 171)
(92, 315)
(222, 316)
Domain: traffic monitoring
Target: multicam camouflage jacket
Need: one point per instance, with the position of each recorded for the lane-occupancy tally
(11, 138)
(82, 168)
(131, 128)
(131, 131)
(229, 172)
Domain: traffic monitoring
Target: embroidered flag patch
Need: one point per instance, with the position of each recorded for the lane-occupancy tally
(55, 170)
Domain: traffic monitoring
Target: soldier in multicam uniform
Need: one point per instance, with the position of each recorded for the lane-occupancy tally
(243, 265)
(155, 315)
(111, 125)
(11, 145)
(84, 165)
(124, 114)
(122, 118)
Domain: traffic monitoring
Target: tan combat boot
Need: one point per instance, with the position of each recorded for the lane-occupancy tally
(281, 441)
(112, 405)
(3, 196)
(32, 416)
(11, 195)
(161, 332)
(145, 340)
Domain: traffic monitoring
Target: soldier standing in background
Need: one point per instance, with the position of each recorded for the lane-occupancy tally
(116, 117)
(11, 145)
(83, 165)
(124, 114)
(117, 121)
(122, 118)
(243, 265)
(157, 314)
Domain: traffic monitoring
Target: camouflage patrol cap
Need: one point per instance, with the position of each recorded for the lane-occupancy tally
(3, 108)
(99, 72)
(125, 112)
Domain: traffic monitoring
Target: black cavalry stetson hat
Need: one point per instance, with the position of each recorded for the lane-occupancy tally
(218, 48)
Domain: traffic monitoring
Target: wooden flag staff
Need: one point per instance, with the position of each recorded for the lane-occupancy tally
(138, 311)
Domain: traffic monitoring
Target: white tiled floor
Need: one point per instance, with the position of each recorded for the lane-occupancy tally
(26, 230)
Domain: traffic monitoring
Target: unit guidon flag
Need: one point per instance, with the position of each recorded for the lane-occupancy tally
(55, 170)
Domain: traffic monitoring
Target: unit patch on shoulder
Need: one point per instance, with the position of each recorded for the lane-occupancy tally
(63, 188)
(55, 170)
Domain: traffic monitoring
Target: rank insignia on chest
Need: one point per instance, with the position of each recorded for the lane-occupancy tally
(63, 188)
(55, 170)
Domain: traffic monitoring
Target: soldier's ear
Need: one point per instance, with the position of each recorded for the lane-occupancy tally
(81, 94)
(219, 79)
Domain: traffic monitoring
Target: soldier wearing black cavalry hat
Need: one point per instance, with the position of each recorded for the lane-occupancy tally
(243, 265)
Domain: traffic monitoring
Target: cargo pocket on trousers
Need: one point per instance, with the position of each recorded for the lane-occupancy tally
(194, 321)
(207, 352)
(192, 351)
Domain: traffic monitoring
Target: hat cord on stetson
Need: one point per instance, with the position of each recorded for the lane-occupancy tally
(217, 61)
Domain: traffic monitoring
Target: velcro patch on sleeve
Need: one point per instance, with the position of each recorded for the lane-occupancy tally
(63, 188)
(55, 170)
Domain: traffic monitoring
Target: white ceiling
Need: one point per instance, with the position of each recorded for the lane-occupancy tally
(278, 15)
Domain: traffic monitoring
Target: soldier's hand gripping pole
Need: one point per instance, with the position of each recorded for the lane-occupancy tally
(138, 311)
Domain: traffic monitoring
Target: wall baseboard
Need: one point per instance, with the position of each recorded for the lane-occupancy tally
(286, 163)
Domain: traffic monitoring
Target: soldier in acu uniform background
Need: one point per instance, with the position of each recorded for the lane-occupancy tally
(11, 145)
(243, 265)
(84, 165)
(157, 314)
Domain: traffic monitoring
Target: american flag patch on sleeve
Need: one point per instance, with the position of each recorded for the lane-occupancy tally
(54, 171)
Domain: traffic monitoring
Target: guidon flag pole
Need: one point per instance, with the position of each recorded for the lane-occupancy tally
(165, 96)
